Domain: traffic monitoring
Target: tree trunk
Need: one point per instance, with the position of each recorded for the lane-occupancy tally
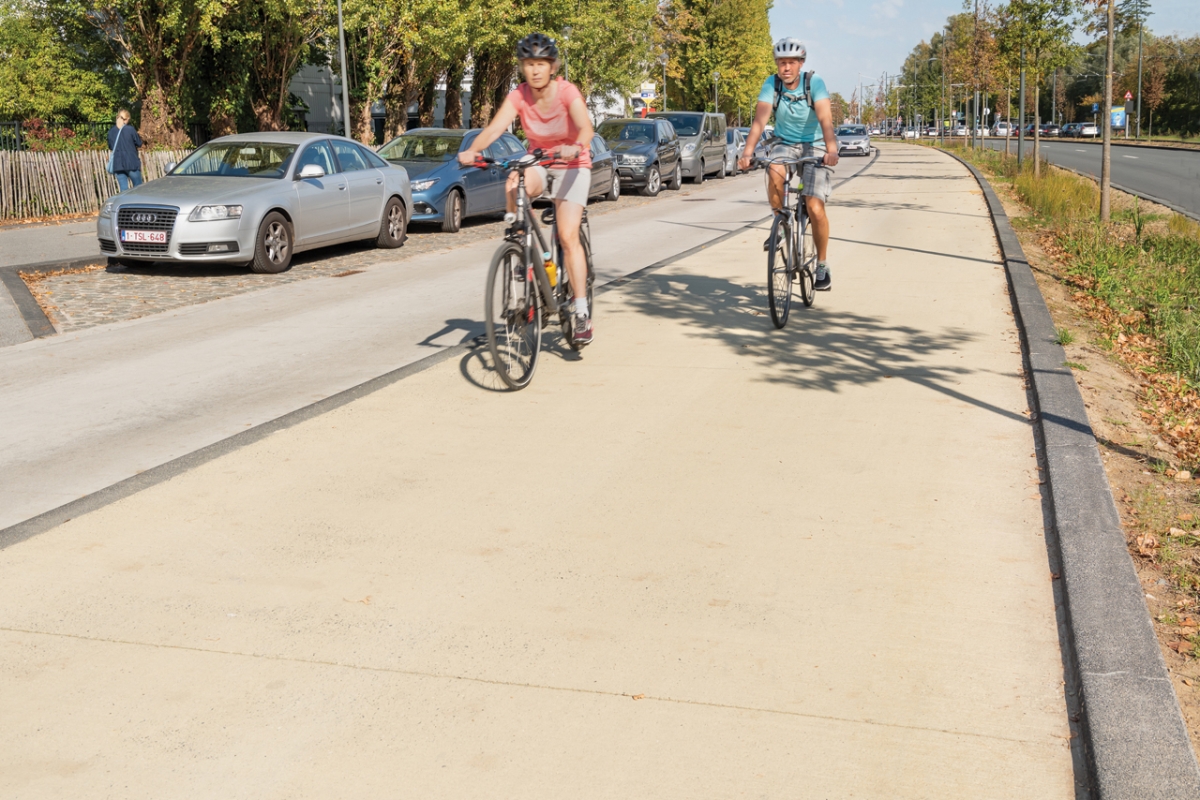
(1106, 122)
(221, 123)
(1037, 129)
(454, 116)
(160, 126)
(360, 121)
(396, 110)
(427, 105)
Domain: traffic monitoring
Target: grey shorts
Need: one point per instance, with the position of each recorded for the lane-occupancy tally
(818, 180)
(572, 185)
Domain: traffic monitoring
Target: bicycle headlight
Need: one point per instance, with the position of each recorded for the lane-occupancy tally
(211, 213)
(420, 186)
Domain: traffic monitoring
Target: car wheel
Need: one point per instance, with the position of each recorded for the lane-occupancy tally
(452, 219)
(676, 181)
(614, 191)
(393, 228)
(699, 179)
(653, 181)
(722, 172)
(273, 246)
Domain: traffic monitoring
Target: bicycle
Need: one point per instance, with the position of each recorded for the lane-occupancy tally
(791, 253)
(525, 286)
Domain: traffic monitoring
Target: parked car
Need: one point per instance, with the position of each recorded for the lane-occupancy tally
(761, 151)
(644, 150)
(1068, 130)
(1002, 128)
(734, 143)
(959, 130)
(702, 135)
(1050, 129)
(606, 181)
(443, 190)
(875, 131)
(1088, 130)
(911, 133)
(257, 199)
(853, 139)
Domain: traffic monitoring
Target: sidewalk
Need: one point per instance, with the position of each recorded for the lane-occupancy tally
(37, 244)
(708, 560)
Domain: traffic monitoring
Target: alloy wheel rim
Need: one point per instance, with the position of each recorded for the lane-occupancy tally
(616, 186)
(276, 242)
(654, 179)
(394, 222)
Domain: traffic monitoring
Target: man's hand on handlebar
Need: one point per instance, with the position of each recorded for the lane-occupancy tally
(744, 162)
(831, 158)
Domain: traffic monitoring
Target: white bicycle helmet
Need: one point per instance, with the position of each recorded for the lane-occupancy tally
(790, 48)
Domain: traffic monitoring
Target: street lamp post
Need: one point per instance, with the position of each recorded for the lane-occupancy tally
(345, 88)
(663, 59)
(1021, 113)
(716, 77)
(566, 32)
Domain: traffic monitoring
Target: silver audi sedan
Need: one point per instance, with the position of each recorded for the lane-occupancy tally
(256, 199)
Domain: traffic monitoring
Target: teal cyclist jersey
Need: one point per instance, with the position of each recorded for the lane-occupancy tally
(795, 119)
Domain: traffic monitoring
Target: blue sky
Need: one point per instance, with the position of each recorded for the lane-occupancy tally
(846, 37)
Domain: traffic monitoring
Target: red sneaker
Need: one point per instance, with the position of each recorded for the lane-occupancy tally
(583, 330)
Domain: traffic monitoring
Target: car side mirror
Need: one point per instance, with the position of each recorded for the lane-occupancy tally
(170, 168)
(309, 171)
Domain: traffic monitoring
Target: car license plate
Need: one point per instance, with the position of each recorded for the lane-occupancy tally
(149, 237)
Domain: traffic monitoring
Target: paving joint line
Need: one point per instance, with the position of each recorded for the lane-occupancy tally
(1135, 741)
(516, 684)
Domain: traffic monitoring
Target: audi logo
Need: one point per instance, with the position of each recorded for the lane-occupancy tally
(144, 218)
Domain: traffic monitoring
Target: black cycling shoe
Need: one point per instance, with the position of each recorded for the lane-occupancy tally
(767, 245)
(823, 279)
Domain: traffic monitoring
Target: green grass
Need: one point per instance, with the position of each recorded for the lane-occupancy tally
(1064, 337)
(1076, 365)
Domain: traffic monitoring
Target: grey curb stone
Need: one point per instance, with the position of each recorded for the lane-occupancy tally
(1136, 741)
(35, 319)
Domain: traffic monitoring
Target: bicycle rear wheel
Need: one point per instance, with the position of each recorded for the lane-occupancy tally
(779, 261)
(512, 317)
(807, 263)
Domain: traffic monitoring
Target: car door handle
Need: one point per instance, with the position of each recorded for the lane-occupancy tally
(341, 187)
(378, 180)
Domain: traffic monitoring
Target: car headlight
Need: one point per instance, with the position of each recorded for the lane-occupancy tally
(689, 148)
(420, 186)
(631, 159)
(212, 213)
(108, 209)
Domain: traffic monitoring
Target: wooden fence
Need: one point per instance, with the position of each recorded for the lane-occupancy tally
(46, 184)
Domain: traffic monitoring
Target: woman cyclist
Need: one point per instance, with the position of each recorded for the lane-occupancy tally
(555, 119)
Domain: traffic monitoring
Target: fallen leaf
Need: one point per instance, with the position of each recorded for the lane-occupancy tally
(637, 697)
(1183, 476)
(1186, 682)
(1181, 647)
(1187, 631)
(1186, 517)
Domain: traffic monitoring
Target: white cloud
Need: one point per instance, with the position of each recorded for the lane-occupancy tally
(889, 9)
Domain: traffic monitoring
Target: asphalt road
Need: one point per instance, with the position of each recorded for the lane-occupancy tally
(1170, 177)
(82, 411)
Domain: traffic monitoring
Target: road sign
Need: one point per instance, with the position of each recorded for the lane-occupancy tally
(1095, 108)
(1129, 95)
(986, 111)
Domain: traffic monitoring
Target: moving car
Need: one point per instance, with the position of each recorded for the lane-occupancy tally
(702, 135)
(643, 150)
(257, 199)
(442, 189)
(853, 139)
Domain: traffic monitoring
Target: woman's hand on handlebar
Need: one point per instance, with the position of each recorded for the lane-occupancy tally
(566, 152)
(468, 157)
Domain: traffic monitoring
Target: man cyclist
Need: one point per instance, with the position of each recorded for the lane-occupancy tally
(802, 109)
(555, 118)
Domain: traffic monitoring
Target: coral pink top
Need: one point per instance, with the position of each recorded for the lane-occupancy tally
(549, 129)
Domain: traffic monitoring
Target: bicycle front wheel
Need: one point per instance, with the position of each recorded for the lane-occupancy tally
(512, 317)
(779, 262)
(807, 263)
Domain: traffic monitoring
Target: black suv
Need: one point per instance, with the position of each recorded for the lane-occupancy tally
(645, 151)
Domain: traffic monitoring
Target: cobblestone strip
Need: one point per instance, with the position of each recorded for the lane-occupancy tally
(95, 295)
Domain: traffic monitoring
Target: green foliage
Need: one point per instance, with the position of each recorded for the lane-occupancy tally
(40, 75)
(728, 37)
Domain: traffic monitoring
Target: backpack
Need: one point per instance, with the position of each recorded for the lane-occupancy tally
(807, 96)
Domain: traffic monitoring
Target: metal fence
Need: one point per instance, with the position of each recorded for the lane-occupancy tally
(53, 183)
(16, 135)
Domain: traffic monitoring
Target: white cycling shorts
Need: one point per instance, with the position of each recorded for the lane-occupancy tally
(573, 185)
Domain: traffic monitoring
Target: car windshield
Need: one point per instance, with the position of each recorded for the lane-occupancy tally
(239, 160)
(685, 124)
(422, 147)
(851, 130)
(626, 131)
(730, 136)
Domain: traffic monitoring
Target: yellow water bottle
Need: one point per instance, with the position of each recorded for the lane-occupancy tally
(551, 272)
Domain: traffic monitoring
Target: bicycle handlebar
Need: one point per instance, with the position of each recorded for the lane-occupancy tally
(538, 157)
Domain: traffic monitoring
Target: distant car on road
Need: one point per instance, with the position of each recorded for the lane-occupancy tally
(853, 139)
(875, 131)
(257, 199)
(734, 142)
(911, 133)
(443, 190)
(1068, 130)
(644, 151)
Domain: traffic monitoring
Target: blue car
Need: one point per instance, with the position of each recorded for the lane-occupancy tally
(443, 190)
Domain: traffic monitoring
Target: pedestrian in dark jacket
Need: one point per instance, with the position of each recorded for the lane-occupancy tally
(123, 141)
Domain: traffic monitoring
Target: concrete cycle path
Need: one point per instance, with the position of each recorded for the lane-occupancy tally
(706, 560)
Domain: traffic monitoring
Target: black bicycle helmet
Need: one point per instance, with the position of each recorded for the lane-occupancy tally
(537, 45)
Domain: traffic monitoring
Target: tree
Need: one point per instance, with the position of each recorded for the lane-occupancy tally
(1153, 91)
(40, 74)
(1043, 28)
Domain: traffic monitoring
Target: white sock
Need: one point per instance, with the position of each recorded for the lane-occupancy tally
(581, 307)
